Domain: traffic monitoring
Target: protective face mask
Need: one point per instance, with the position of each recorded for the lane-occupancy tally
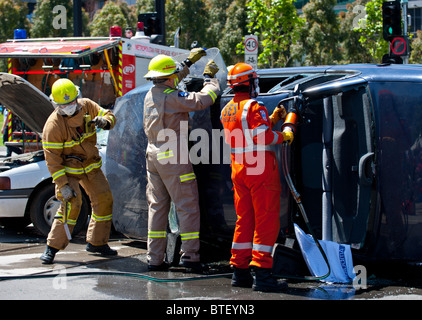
(69, 110)
(255, 91)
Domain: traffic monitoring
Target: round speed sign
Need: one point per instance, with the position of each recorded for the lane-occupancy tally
(251, 44)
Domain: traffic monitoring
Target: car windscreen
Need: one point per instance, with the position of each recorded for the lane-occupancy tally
(305, 81)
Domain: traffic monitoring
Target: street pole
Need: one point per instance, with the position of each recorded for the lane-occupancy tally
(404, 4)
(160, 8)
(77, 18)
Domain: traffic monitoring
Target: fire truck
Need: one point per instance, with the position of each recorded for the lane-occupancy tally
(104, 68)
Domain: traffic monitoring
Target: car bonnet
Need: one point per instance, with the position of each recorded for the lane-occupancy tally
(26, 101)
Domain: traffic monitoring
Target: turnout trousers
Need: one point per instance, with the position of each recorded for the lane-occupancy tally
(257, 204)
(98, 190)
(169, 180)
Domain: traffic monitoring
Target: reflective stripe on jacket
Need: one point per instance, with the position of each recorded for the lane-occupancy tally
(68, 149)
(248, 126)
(166, 107)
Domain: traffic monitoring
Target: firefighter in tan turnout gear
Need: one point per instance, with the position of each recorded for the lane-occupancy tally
(169, 170)
(69, 143)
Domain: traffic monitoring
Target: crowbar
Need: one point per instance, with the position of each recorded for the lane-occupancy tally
(66, 226)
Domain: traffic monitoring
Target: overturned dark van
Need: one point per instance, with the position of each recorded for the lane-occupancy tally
(356, 159)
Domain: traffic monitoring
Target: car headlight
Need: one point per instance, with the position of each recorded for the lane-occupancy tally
(4, 183)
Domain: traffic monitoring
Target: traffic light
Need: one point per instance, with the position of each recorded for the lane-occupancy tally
(391, 19)
(151, 23)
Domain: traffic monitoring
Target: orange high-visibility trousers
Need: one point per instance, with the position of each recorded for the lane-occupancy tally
(257, 203)
(256, 180)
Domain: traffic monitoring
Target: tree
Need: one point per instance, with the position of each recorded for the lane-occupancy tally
(192, 17)
(233, 32)
(112, 14)
(370, 31)
(416, 45)
(52, 18)
(319, 37)
(12, 16)
(351, 21)
(217, 19)
(144, 6)
(276, 23)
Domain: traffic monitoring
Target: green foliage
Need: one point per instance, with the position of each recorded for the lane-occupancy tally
(233, 32)
(319, 36)
(110, 15)
(416, 45)
(370, 31)
(192, 17)
(47, 19)
(276, 23)
(354, 18)
(12, 16)
(43, 22)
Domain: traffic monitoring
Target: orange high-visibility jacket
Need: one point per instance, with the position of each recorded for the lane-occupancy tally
(256, 193)
(248, 126)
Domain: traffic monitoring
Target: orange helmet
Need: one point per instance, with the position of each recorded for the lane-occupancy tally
(240, 74)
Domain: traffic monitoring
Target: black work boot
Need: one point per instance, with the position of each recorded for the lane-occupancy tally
(48, 256)
(104, 250)
(162, 267)
(242, 278)
(264, 281)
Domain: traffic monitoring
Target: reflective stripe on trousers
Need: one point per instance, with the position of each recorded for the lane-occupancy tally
(171, 182)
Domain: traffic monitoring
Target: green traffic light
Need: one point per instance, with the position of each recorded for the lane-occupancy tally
(390, 30)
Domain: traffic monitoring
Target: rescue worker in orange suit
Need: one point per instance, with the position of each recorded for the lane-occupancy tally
(69, 143)
(169, 171)
(256, 180)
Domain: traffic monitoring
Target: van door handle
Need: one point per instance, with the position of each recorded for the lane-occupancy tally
(365, 177)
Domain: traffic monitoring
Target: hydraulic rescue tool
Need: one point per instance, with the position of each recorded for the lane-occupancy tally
(295, 104)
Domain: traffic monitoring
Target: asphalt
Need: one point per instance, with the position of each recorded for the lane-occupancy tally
(80, 275)
(83, 276)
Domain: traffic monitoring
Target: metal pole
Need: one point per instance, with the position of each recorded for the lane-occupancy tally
(77, 18)
(160, 8)
(404, 4)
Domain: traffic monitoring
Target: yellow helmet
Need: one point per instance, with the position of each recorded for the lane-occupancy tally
(63, 91)
(161, 66)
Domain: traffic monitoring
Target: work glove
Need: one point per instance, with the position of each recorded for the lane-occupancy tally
(211, 69)
(100, 122)
(67, 192)
(287, 135)
(278, 114)
(196, 54)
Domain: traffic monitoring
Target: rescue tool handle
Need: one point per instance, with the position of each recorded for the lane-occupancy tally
(65, 225)
(296, 196)
(293, 110)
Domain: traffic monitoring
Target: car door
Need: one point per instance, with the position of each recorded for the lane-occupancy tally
(334, 159)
